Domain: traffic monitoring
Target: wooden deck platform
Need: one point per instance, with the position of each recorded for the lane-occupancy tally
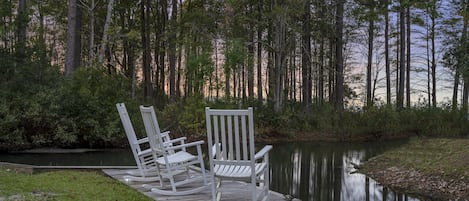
(237, 190)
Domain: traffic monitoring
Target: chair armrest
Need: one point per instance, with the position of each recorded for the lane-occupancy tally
(165, 133)
(145, 152)
(143, 140)
(181, 140)
(262, 152)
(191, 144)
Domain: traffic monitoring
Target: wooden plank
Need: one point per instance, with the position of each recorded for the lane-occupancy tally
(232, 191)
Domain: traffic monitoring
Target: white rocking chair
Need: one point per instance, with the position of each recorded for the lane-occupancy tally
(146, 162)
(174, 159)
(230, 133)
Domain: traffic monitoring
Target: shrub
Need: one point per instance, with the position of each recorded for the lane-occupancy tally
(26, 90)
(86, 109)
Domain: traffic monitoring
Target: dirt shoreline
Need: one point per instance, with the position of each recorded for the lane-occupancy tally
(429, 169)
(425, 187)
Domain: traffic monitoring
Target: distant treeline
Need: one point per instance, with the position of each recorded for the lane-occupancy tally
(62, 73)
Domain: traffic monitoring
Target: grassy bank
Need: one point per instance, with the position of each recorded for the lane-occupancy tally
(432, 168)
(63, 185)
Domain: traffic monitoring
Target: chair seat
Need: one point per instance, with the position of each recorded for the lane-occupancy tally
(237, 171)
(178, 157)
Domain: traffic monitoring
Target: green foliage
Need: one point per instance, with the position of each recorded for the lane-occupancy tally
(199, 69)
(376, 123)
(26, 88)
(40, 108)
(64, 185)
(86, 107)
(235, 55)
(186, 117)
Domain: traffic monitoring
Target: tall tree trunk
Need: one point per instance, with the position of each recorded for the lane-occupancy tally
(386, 53)
(429, 91)
(306, 56)
(179, 68)
(72, 55)
(217, 80)
(243, 81)
(250, 63)
(162, 51)
(128, 63)
(147, 86)
(235, 81)
(321, 64)
(432, 36)
(408, 32)
(371, 27)
(320, 77)
(280, 60)
(400, 94)
(91, 53)
(227, 82)
(398, 58)
(259, 63)
(107, 23)
(331, 73)
(455, 89)
(339, 66)
(172, 50)
(270, 66)
(259, 52)
(462, 55)
(465, 93)
(21, 23)
(44, 59)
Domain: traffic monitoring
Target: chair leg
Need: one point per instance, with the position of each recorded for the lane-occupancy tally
(202, 166)
(266, 178)
(160, 175)
(266, 183)
(173, 186)
(253, 185)
(214, 188)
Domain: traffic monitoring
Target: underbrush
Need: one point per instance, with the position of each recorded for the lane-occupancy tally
(76, 111)
(188, 117)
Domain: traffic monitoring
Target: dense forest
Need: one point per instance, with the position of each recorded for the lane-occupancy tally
(346, 69)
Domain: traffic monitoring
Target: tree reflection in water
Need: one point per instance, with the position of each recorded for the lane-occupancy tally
(316, 171)
(322, 171)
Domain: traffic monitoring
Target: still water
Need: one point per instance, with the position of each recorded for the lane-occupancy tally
(316, 171)
(324, 171)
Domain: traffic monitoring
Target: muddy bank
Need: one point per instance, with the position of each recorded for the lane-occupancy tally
(426, 187)
(434, 169)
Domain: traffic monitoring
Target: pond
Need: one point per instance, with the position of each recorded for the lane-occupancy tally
(308, 170)
(324, 171)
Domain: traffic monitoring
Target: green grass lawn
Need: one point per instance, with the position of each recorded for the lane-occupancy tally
(64, 185)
